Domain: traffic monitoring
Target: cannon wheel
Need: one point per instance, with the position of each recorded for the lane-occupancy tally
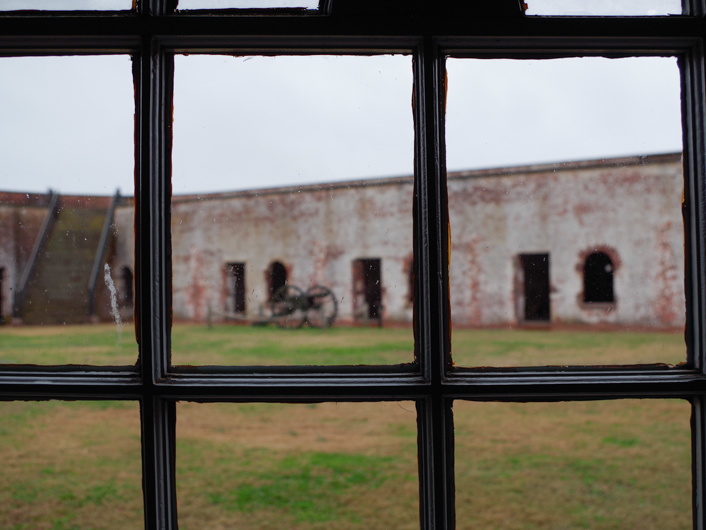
(322, 307)
(288, 307)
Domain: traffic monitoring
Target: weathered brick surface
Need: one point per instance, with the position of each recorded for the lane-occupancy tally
(19, 226)
(316, 232)
(628, 208)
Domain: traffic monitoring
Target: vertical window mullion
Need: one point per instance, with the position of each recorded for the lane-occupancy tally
(152, 213)
(436, 463)
(694, 116)
(153, 73)
(698, 459)
(693, 76)
(431, 215)
(434, 420)
(693, 7)
(158, 418)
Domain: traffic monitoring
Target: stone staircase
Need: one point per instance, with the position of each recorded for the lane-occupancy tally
(57, 290)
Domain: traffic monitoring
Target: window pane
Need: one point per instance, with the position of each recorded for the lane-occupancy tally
(247, 4)
(325, 465)
(604, 7)
(70, 465)
(565, 203)
(66, 251)
(67, 5)
(286, 212)
(611, 464)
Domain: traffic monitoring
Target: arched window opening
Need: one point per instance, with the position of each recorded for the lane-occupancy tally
(598, 278)
(277, 278)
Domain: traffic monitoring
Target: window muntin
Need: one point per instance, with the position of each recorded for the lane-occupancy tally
(66, 230)
(517, 232)
(298, 162)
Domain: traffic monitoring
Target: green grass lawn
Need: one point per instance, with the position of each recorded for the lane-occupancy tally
(231, 345)
(546, 347)
(597, 464)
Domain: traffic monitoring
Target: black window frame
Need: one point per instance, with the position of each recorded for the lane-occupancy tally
(430, 30)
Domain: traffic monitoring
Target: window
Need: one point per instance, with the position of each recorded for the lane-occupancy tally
(176, 399)
(533, 295)
(128, 293)
(2, 295)
(598, 272)
(367, 290)
(277, 280)
(236, 273)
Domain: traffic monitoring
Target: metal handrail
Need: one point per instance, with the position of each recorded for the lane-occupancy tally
(18, 301)
(100, 254)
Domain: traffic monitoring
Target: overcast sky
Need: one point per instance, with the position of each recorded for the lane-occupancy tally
(251, 122)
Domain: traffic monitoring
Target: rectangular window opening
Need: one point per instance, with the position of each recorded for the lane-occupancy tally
(533, 288)
(236, 271)
(367, 290)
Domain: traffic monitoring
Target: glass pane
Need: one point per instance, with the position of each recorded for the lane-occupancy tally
(247, 4)
(325, 465)
(636, 8)
(66, 245)
(291, 236)
(565, 204)
(612, 464)
(70, 465)
(67, 5)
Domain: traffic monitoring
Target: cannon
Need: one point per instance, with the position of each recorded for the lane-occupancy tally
(291, 307)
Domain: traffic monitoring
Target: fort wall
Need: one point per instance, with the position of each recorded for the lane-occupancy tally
(356, 239)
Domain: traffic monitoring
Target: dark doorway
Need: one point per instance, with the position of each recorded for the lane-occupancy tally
(535, 272)
(367, 288)
(277, 278)
(2, 295)
(409, 270)
(598, 279)
(128, 291)
(236, 274)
